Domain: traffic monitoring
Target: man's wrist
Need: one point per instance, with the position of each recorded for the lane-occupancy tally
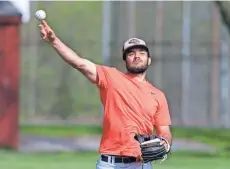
(55, 41)
(168, 145)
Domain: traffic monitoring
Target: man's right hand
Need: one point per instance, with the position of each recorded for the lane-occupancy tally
(47, 33)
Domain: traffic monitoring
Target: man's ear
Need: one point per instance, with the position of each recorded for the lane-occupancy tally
(124, 65)
(149, 61)
(124, 62)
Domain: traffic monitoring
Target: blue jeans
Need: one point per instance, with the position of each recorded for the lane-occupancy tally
(111, 165)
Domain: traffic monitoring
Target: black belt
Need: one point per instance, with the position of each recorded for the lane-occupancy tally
(119, 159)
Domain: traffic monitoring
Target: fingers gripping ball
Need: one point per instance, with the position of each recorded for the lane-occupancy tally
(40, 15)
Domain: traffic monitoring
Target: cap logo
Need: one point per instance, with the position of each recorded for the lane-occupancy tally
(134, 41)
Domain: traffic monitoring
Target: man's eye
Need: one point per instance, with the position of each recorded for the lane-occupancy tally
(131, 53)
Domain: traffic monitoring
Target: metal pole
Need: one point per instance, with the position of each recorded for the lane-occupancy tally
(131, 15)
(106, 35)
(106, 32)
(33, 70)
(225, 121)
(214, 108)
(228, 101)
(158, 45)
(186, 62)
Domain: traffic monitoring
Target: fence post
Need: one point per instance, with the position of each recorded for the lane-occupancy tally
(158, 42)
(131, 18)
(224, 116)
(186, 61)
(215, 67)
(106, 35)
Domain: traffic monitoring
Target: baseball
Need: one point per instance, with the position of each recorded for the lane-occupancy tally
(40, 15)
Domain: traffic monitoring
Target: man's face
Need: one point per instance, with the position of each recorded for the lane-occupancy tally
(137, 60)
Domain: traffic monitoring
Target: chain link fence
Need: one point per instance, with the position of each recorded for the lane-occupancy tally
(188, 43)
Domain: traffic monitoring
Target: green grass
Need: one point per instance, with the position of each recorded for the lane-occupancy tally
(13, 160)
(59, 131)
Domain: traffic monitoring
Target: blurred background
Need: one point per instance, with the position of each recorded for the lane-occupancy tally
(46, 106)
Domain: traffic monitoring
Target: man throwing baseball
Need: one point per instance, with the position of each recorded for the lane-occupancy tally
(133, 108)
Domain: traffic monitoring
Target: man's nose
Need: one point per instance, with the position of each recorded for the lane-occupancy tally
(136, 55)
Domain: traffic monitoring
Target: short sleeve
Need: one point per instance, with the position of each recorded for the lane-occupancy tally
(102, 76)
(162, 116)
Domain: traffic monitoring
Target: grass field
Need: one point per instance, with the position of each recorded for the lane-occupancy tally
(87, 160)
(12, 160)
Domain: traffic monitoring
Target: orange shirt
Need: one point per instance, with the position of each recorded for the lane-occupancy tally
(129, 107)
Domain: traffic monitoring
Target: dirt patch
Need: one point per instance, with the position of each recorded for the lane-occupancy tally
(35, 143)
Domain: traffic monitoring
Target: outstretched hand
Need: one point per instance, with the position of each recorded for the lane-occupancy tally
(46, 32)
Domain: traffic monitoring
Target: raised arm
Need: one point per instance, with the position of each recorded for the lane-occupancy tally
(86, 67)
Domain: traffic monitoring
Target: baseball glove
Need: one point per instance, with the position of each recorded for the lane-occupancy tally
(151, 147)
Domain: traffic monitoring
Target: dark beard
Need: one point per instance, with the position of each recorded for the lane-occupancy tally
(136, 70)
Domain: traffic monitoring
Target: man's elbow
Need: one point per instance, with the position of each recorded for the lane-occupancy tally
(88, 69)
(81, 67)
(165, 132)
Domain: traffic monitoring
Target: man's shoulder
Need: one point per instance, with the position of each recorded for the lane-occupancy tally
(112, 68)
(109, 70)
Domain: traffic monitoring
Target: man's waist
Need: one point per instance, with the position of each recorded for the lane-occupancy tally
(119, 159)
(121, 151)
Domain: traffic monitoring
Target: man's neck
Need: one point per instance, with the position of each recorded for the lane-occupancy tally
(139, 77)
